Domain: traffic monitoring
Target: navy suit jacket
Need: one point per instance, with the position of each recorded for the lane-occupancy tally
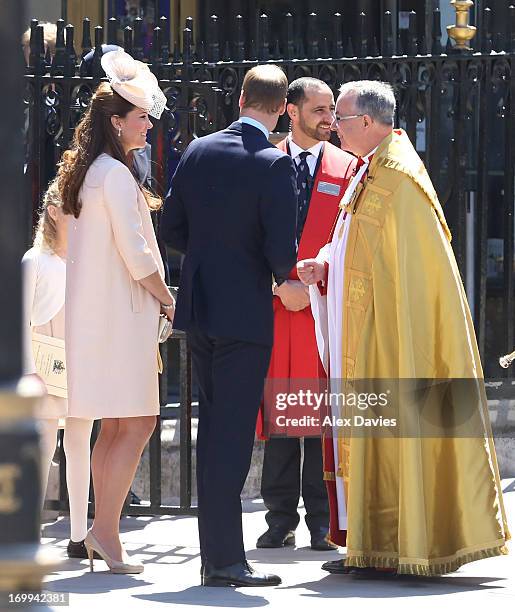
(232, 210)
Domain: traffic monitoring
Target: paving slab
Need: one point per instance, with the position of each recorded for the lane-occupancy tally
(168, 545)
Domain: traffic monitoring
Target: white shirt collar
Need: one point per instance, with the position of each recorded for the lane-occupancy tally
(351, 188)
(256, 124)
(366, 158)
(295, 150)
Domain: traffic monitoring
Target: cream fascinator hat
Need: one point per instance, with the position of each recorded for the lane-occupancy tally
(134, 82)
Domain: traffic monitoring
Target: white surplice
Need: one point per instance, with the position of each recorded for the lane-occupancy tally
(328, 314)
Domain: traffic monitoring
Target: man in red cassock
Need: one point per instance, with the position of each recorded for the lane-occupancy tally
(323, 173)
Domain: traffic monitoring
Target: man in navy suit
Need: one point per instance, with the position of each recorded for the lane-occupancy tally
(231, 210)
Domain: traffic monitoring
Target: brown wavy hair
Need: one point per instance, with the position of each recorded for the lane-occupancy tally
(93, 136)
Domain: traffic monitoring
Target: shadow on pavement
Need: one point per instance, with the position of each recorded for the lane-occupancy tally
(288, 555)
(60, 527)
(91, 583)
(207, 596)
(405, 586)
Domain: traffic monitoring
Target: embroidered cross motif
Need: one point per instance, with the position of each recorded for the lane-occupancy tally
(372, 204)
(357, 289)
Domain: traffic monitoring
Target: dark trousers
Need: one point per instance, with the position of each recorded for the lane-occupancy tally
(283, 480)
(230, 377)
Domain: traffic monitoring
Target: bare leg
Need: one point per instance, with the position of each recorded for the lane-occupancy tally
(120, 466)
(108, 431)
(48, 441)
(77, 435)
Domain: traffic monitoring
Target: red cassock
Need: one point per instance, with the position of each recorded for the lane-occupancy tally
(295, 354)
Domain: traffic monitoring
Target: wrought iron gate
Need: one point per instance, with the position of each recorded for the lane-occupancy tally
(457, 106)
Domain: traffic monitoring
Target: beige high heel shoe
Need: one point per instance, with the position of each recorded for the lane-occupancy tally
(115, 567)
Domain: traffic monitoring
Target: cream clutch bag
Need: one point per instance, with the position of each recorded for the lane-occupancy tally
(165, 328)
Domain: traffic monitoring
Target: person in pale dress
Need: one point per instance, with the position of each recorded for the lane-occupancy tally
(115, 290)
(44, 278)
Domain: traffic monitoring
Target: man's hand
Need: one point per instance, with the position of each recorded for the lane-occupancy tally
(293, 295)
(311, 271)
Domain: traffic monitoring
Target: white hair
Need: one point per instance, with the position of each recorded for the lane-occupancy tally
(373, 98)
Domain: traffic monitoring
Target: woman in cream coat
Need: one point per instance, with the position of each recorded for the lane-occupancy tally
(115, 291)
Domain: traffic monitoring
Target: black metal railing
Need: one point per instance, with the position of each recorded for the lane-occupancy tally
(457, 106)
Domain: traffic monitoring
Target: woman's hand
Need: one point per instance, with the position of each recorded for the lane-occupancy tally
(39, 381)
(155, 285)
(168, 310)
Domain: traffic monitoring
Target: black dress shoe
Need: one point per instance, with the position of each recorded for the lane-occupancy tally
(276, 537)
(77, 550)
(237, 575)
(336, 567)
(377, 573)
(319, 542)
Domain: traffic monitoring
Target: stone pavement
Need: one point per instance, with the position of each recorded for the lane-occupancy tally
(169, 548)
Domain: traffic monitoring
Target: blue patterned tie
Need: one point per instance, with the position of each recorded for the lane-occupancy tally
(303, 182)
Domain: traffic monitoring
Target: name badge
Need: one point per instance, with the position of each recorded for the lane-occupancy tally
(329, 188)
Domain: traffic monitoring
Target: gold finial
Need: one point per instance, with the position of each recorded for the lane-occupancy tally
(462, 32)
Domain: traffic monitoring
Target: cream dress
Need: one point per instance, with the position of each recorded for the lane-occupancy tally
(44, 280)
